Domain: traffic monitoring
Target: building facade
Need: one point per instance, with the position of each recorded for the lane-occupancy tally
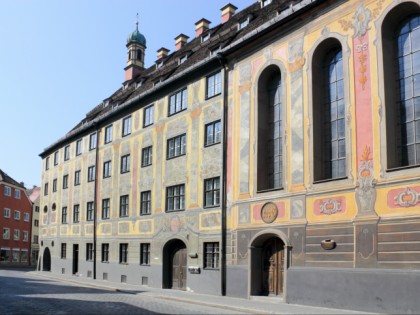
(15, 223)
(34, 197)
(276, 154)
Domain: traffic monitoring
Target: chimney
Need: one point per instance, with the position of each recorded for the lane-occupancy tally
(227, 12)
(180, 41)
(162, 53)
(201, 26)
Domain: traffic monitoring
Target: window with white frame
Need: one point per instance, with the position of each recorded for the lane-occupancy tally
(177, 102)
(16, 215)
(176, 146)
(79, 147)
(126, 126)
(214, 84)
(17, 194)
(15, 254)
(6, 233)
(25, 236)
(211, 255)
(148, 115)
(16, 235)
(7, 191)
(26, 216)
(212, 192)
(6, 212)
(213, 134)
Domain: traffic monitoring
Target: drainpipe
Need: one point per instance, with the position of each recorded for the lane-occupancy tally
(95, 200)
(222, 61)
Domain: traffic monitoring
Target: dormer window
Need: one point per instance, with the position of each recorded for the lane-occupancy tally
(265, 3)
(215, 50)
(157, 82)
(106, 103)
(159, 64)
(243, 23)
(125, 86)
(205, 37)
(138, 84)
(115, 105)
(182, 59)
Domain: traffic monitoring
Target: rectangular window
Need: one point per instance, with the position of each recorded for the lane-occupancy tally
(5, 254)
(16, 215)
(65, 181)
(64, 215)
(107, 169)
(6, 213)
(214, 85)
(146, 156)
(146, 200)
(66, 152)
(145, 254)
(89, 252)
(17, 194)
(123, 253)
(243, 24)
(124, 206)
(92, 141)
(7, 191)
(91, 173)
(6, 233)
(89, 211)
(25, 236)
(175, 198)
(26, 216)
(79, 147)
(126, 126)
(45, 189)
(54, 185)
(77, 178)
(15, 254)
(105, 253)
(76, 210)
(16, 235)
(125, 163)
(63, 250)
(36, 209)
(211, 255)
(177, 102)
(24, 255)
(108, 134)
(212, 192)
(35, 239)
(105, 208)
(213, 133)
(36, 222)
(47, 163)
(176, 146)
(148, 116)
(56, 158)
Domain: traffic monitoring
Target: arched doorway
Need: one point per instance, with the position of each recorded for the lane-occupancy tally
(175, 265)
(46, 260)
(268, 265)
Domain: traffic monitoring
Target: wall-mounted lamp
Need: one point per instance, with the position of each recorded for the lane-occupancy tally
(328, 244)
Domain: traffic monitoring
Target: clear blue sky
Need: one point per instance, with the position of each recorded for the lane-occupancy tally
(60, 58)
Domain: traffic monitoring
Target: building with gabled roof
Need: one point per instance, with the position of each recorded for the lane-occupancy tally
(274, 154)
(15, 222)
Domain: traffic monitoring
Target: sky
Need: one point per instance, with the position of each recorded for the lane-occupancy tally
(61, 58)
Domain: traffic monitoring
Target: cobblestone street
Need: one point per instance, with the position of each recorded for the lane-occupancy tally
(31, 292)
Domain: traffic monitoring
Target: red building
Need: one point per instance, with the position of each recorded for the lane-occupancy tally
(15, 222)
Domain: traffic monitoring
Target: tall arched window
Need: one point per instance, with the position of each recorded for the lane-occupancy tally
(329, 145)
(270, 130)
(401, 89)
(407, 42)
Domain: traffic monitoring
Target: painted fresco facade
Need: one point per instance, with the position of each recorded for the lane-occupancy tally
(286, 216)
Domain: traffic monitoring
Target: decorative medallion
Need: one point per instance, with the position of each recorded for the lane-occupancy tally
(407, 198)
(330, 206)
(269, 212)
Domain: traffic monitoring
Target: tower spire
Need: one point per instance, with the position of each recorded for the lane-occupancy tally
(136, 44)
(137, 23)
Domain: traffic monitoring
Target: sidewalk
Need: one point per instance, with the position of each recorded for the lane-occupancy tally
(257, 305)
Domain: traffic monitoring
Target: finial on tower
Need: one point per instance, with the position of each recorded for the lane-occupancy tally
(137, 22)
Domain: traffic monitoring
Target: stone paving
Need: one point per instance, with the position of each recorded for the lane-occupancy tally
(23, 292)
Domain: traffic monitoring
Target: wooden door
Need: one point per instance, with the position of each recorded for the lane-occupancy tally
(179, 269)
(273, 267)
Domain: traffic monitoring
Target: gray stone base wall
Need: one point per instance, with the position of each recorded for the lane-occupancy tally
(237, 281)
(374, 290)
